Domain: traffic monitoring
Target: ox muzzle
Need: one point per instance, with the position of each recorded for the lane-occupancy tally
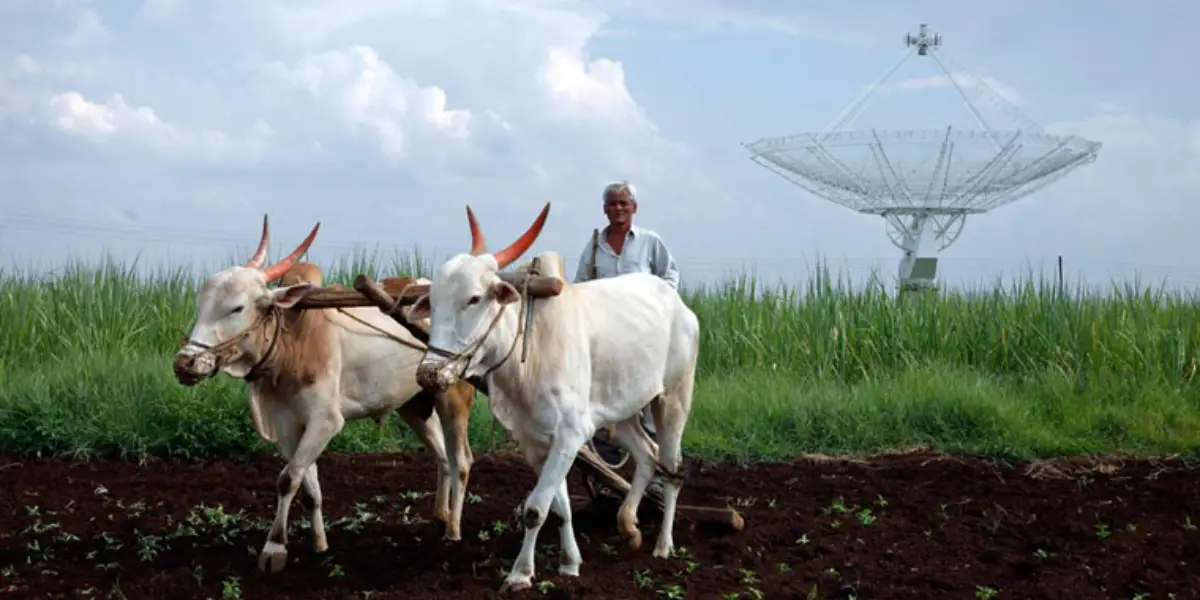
(435, 373)
(193, 365)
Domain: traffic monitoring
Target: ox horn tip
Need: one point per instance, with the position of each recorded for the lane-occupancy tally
(514, 251)
(277, 270)
(260, 254)
(478, 241)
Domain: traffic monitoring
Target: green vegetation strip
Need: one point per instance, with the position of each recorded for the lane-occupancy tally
(1018, 371)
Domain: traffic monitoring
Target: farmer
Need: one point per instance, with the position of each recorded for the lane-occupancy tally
(623, 248)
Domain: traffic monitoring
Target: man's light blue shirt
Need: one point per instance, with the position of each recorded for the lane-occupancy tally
(644, 251)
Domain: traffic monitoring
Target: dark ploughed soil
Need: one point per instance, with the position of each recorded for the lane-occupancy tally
(911, 526)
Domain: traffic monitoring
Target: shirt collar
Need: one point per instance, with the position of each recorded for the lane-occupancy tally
(632, 231)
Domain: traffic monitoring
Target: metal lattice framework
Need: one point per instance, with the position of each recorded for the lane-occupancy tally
(925, 183)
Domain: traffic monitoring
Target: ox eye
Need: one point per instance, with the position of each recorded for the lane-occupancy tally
(474, 300)
(236, 310)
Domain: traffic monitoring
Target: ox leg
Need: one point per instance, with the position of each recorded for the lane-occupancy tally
(310, 499)
(287, 437)
(552, 480)
(670, 417)
(316, 436)
(632, 436)
(454, 410)
(429, 431)
(571, 557)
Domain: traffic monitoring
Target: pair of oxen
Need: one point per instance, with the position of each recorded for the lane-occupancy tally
(598, 353)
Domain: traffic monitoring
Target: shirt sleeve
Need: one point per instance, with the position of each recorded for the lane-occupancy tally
(664, 263)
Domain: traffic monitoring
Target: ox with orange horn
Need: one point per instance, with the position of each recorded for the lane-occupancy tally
(602, 351)
(301, 364)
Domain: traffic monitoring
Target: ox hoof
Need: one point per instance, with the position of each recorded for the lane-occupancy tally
(516, 583)
(320, 545)
(273, 556)
(451, 537)
(662, 551)
(633, 538)
(570, 570)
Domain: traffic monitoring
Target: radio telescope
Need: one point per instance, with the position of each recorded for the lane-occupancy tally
(924, 183)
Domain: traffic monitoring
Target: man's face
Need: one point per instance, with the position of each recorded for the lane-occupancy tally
(619, 208)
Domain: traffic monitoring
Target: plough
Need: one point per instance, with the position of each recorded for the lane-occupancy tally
(393, 293)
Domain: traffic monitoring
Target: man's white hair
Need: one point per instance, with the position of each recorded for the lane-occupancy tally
(618, 187)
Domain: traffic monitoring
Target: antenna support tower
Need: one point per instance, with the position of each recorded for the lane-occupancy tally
(924, 183)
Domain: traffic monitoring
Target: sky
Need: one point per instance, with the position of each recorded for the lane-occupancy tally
(163, 130)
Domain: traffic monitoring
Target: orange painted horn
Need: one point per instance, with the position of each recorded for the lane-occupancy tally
(278, 269)
(260, 255)
(478, 242)
(506, 256)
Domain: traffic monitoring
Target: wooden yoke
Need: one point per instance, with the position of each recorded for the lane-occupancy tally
(540, 286)
(403, 291)
(396, 292)
(338, 296)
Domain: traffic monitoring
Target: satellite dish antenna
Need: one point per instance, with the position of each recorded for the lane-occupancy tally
(924, 205)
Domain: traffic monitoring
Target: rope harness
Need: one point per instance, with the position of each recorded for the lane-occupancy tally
(465, 355)
(225, 352)
(392, 312)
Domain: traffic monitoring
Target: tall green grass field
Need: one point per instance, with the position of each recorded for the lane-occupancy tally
(1026, 369)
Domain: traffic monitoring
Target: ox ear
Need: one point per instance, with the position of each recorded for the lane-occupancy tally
(288, 296)
(504, 293)
(420, 309)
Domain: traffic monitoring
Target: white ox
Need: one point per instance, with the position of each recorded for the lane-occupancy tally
(598, 353)
(310, 371)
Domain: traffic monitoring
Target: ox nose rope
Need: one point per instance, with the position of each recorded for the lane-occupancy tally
(468, 353)
(224, 352)
(392, 312)
(392, 336)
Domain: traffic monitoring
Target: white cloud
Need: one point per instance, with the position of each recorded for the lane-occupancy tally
(589, 90)
(114, 119)
(380, 106)
(363, 91)
(501, 74)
